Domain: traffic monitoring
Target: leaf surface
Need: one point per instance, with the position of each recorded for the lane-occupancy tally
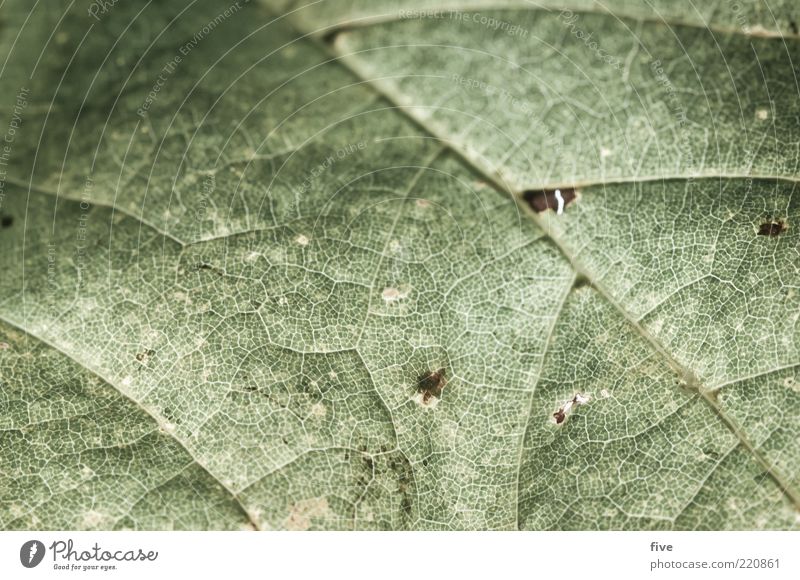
(257, 276)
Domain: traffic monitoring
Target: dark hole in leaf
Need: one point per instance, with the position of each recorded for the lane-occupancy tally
(772, 228)
(559, 416)
(431, 384)
(544, 199)
(6, 221)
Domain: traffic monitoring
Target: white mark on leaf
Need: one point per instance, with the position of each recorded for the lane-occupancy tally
(393, 294)
(577, 400)
(560, 201)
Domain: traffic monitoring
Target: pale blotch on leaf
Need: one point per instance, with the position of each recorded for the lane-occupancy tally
(93, 519)
(301, 240)
(303, 512)
(390, 295)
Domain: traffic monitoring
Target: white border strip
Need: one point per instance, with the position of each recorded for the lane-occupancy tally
(408, 555)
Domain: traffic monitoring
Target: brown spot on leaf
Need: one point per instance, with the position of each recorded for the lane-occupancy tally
(143, 356)
(772, 228)
(561, 415)
(544, 199)
(369, 463)
(431, 384)
(406, 506)
(581, 281)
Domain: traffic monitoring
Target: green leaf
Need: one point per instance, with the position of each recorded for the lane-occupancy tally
(268, 267)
